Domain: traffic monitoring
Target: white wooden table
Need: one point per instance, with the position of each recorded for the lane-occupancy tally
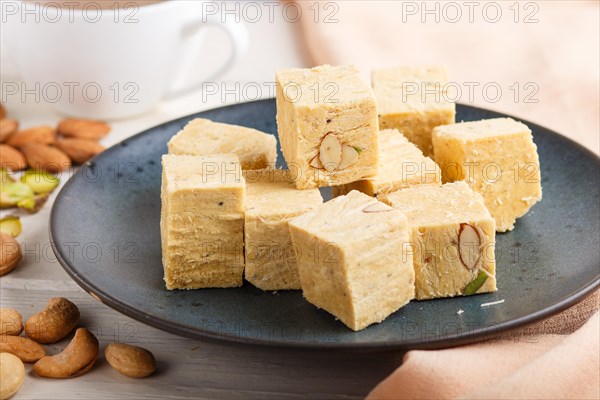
(186, 368)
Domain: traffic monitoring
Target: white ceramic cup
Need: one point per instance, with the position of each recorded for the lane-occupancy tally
(110, 63)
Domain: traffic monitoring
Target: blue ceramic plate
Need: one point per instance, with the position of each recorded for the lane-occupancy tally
(105, 231)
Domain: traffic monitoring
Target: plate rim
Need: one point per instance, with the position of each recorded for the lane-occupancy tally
(445, 341)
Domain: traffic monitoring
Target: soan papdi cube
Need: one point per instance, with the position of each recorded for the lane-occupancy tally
(498, 159)
(414, 101)
(401, 164)
(271, 201)
(202, 221)
(202, 137)
(354, 259)
(327, 122)
(453, 236)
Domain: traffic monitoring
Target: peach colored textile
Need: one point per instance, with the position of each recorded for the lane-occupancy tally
(554, 60)
(538, 367)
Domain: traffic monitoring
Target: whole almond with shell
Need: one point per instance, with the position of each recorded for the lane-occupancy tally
(53, 323)
(83, 129)
(11, 158)
(38, 134)
(46, 158)
(7, 128)
(79, 150)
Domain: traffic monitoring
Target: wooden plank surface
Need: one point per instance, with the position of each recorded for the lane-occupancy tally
(189, 368)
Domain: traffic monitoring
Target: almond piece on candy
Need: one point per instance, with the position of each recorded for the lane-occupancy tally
(316, 162)
(79, 150)
(83, 129)
(38, 134)
(11, 158)
(349, 157)
(7, 128)
(330, 152)
(469, 244)
(46, 158)
(377, 208)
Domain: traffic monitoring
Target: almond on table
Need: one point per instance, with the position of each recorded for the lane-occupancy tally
(24, 348)
(10, 253)
(11, 158)
(46, 158)
(83, 128)
(7, 128)
(453, 237)
(79, 150)
(38, 134)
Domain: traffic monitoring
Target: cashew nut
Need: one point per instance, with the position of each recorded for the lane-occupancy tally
(75, 360)
(54, 323)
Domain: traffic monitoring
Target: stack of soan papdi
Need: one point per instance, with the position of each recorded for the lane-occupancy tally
(417, 198)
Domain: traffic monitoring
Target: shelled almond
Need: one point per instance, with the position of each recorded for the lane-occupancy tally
(77, 358)
(7, 128)
(83, 129)
(11, 158)
(73, 141)
(10, 253)
(46, 158)
(79, 150)
(38, 134)
(45, 150)
(469, 243)
(333, 155)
